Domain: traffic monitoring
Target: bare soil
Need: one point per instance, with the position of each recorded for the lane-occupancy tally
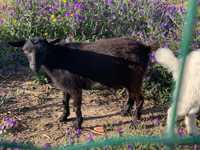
(37, 109)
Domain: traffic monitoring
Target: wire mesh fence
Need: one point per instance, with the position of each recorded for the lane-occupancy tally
(169, 139)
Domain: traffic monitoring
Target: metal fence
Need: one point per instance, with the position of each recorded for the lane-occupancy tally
(170, 139)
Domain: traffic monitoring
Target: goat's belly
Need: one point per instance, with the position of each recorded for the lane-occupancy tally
(93, 85)
(105, 79)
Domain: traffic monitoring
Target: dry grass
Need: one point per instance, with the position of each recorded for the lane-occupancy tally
(38, 107)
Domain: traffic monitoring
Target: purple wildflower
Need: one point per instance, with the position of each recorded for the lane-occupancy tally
(2, 128)
(171, 9)
(66, 5)
(140, 34)
(1, 21)
(47, 146)
(18, 2)
(68, 132)
(181, 9)
(30, 5)
(76, 15)
(109, 2)
(78, 132)
(156, 121)
(90, 137)
(10, 122)
(51, 9)
(166, 45)
(123, 7)
(152, 57)
(130, 147)
(77, 5)
(70, 140)
(69, 136)
(120, 131)
(181, 131)
(147, 78)
(16, 148)
(175, 37)
(67, 14)
(165, 26)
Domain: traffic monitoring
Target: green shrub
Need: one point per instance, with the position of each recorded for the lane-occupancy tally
(158, 84)
(146, 20)
(84, 20)
(40, 78)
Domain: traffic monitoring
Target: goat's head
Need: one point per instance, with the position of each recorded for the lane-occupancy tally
(35, 51)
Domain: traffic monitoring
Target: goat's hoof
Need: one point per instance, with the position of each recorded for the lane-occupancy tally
(138, 116)
(63, 118)
(125, 112)
(134, 124)
(77, 123)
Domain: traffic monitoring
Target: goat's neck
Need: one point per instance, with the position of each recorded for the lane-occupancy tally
(53, 57)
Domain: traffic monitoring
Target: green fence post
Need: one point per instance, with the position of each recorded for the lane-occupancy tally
(184, 46)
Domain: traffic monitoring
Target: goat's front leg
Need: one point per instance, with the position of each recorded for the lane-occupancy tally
(77, 104)
(137, 98)
(139, 105)
(66, 111)
(128, 107)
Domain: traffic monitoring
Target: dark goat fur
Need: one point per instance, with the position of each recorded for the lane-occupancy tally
(116, 63)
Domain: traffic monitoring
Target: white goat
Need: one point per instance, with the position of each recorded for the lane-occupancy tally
(189, 102)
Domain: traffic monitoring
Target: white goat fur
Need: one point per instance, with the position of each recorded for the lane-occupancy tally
(189, 102)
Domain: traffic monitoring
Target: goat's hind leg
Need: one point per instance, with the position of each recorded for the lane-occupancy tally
(190, 123)
(66, 111)
(128, 107)
(129, 110)
(135, 98)
(139, 105)
(77, 104)
(138, 102)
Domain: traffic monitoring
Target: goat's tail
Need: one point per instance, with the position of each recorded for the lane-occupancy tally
(167, 59)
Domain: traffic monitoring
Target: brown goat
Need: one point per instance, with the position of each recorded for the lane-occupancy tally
(115, 63)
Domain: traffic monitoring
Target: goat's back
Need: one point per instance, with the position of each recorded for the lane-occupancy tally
(125, 48)
(112, 62)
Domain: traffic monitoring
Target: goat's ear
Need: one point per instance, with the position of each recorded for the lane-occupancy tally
(18, 43)
(37, 40)
(53, 41)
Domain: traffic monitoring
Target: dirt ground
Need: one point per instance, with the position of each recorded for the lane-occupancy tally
(37, 109)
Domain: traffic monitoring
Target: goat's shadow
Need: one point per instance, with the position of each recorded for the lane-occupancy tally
(96, 117)
(23, 110)
(156, 113)
(155, 109)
